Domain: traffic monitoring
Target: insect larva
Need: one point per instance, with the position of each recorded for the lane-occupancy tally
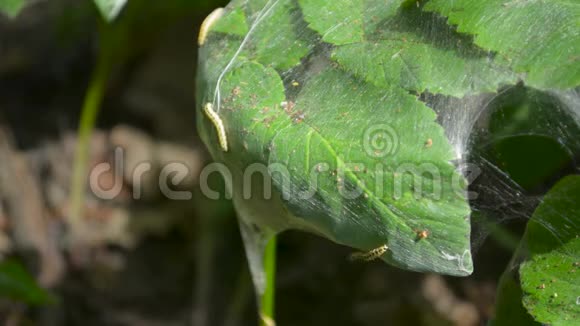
(370, 255)
(218, 124)
(207, 23)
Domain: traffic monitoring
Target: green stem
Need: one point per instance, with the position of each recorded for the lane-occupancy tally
(267, 302)
(90, 110)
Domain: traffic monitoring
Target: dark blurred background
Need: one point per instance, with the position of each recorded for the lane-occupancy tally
(154, 261)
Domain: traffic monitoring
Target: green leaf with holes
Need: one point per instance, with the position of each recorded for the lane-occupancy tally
(540, 38)
(110, 9)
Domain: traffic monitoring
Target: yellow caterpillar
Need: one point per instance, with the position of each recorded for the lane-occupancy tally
(207, 23)
(218, 124)
(370, 255)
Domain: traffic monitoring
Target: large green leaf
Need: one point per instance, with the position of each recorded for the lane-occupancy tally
(110, 9)
(11, 8)
(404, 47)
(551, 285)
(550, 256)
(541, 38)
(377, 161)
(549, 280)
(329, 131)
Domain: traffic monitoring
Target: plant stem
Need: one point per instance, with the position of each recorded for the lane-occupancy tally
(267, 302)
(89, 112)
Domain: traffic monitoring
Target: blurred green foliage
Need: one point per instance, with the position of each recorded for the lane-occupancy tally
(18, 285)
(11, 8)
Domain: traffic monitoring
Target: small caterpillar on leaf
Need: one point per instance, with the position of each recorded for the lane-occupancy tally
(207, 23)
(370, 255)
(218, 124)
